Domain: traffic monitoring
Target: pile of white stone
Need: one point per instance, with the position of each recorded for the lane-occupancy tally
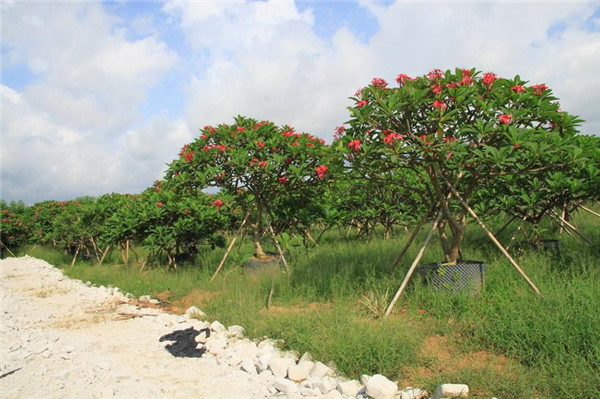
(288, 376)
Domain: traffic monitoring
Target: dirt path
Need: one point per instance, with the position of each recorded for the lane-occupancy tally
(63, 339)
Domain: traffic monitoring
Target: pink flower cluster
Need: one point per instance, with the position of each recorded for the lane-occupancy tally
(321, 171)
(379, 83)
(221, 147)
(505, 118)
(402, 79)
(390, 137)
(354, 145)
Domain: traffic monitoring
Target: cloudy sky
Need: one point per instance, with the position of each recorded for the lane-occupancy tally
(98, 96)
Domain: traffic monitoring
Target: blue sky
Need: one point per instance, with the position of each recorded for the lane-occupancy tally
(98, 96)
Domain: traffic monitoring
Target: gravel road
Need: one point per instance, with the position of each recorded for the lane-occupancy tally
(61, 338)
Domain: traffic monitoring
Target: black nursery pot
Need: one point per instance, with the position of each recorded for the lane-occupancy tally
(466, 276)
(253, 265)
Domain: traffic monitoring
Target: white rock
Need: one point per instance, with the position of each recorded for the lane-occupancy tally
(216, 345)
(332, 395)
(194, 313)
(286, 386)
(266, 377)
(306, 356)
(145, 299)
(451, 391)
(349, 388)
(300, 371)
(217, 327)
(246, 348)
(235, 331)
(202, 337)
(323, 384)
(279, 366)
(305, 391)
(412, 393)
(234, 360)
(364, 379)
(379, 387)
(263, 361)
(248, 366)
(321, 370)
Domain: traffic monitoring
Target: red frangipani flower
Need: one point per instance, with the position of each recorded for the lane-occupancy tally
(159, 204)
(402, 79)
(518, 89)
(354, 145)
(439, 104)
(218, 203)
(189, 157)
(436, 89)
(505, 118)
(539, 89)
(391, 137)
(488, 78)
(361, 104)
(283, 180)
(321, 171)
(379, 83)
(435, 74)
(339, 132)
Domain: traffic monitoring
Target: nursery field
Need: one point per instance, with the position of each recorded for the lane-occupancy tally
(461, 156)
(506, 342)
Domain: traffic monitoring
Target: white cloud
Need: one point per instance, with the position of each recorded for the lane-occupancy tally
(62, 135)
(77, 128)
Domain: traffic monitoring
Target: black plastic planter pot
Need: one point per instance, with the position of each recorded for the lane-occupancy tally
(466, 276)
(254, 265)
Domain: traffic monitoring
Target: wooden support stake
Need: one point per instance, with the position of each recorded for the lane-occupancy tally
(413, 266)
(75, 257)
(506, 225)
(103, 255)
(590, 211)
(230, 247)
(9, 251)
(278, 248)
(512, 239)
(409, 242)
(489, 233)
(569, 225)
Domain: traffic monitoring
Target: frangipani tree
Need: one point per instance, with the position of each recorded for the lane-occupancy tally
(255, 162)
(460, 131)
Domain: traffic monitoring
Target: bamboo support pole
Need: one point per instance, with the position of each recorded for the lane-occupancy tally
(409, 242)
(590, 211)
(512, 239)
(413, 266)
(75, 257)
(103, 255)
(564, 216)
(506, 225)
(570, 226)
(229, 248)
(489, 233)
(9, 251)
(278, 248)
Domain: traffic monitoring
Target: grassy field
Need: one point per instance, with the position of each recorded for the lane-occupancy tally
(507, 342)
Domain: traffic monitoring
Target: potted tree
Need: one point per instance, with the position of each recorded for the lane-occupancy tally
(255, 163)
(460, 131)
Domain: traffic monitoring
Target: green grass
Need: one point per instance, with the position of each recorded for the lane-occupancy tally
(545, 347)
